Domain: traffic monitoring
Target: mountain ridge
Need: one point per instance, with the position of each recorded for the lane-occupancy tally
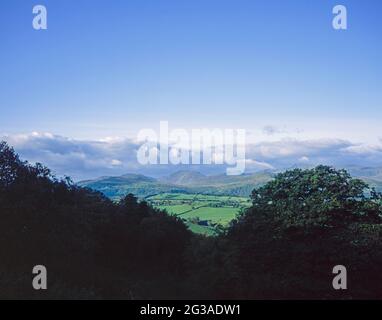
(189, 181)
(179, 182)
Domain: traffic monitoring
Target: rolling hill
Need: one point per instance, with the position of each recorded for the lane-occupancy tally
(179, 182)
(139, 185)
(194, 182)
(201, 201)
(371, 175)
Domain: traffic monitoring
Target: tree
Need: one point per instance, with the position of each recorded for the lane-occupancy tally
(299, 227)
(10, 165)
(92, 247)
(321, 197)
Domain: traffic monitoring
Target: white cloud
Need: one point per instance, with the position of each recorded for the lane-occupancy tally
(76, 158)
(116, 162)
(82, 159)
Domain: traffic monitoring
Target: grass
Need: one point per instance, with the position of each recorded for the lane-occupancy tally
(175, 209)
(207, 231)
(219, 215)
(201, 212)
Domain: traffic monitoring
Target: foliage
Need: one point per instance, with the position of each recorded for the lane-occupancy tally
(300, 225)
(322, 197)
(92, 247)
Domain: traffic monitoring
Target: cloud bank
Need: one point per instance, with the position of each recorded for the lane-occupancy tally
(85, 159)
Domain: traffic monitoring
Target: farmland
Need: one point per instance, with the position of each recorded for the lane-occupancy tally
(202, 213)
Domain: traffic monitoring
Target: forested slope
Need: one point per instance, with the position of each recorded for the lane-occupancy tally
(301, 224)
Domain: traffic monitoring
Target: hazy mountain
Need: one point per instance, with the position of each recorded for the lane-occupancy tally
(124, 179)
(185, 178)
(371, 175)
(187, 181)
(221, 184)
(181, 181)
(367, 172)
(140, 185)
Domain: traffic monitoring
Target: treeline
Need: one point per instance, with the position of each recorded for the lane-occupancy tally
(301, 224)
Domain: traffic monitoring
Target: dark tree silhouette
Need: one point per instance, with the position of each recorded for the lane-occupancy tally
(299, 227)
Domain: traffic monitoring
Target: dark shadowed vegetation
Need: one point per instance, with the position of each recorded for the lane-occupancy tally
(300, 225)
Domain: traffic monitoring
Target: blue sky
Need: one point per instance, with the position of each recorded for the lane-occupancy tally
(109, 68)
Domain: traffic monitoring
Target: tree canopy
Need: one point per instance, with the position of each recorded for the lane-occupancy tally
(300, 225)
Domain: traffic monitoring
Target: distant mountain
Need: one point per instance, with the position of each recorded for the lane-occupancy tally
(371, 175)
(140, 185)
(185, 178)
(178, 182)
(125, 179)
(221, 184)
(367, 172)
(187, 181)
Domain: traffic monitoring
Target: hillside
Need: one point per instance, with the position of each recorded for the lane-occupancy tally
(179, 182)
(186, 181)
(371, 175)
(139, 185)
(283, 245)
(203, 214)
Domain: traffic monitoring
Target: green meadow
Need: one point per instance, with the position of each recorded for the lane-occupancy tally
(201, 213)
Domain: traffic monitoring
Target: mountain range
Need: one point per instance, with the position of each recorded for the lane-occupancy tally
(187, 181)
(178, 182)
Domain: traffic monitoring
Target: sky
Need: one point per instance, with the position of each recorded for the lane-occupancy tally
(103, 70)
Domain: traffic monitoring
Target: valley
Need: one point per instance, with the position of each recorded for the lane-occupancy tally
(191, 182)
(205, 203)
(203, 214)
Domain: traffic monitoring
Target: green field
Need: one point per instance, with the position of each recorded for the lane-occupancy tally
(201, 213)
